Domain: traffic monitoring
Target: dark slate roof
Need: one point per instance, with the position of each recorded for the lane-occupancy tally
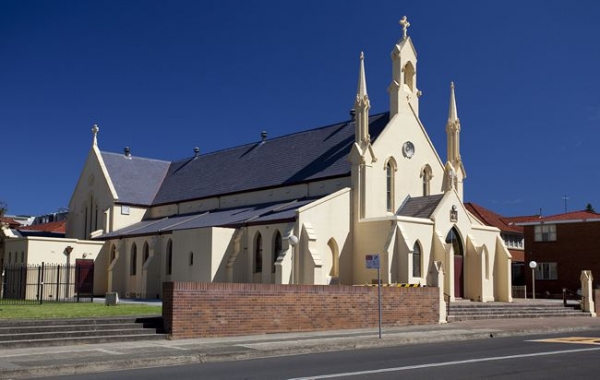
(233, 217)
(420, 207)
(296, 158)
(136, 179)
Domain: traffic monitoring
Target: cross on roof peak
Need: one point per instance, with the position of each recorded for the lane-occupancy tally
(405, 24)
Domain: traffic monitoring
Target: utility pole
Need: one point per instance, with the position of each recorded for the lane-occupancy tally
(565, 198)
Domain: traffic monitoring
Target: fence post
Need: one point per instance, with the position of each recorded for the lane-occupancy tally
(40, 284)
(57, 298)
(77, 269)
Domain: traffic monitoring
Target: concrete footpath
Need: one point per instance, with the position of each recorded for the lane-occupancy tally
(66, 360)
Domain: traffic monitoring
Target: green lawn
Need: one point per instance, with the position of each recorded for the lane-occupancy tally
(75, 310)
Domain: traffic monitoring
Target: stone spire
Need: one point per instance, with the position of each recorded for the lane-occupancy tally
(361, 91)
(452, 113)
(453, 131)
(454, 164)
(362, 105)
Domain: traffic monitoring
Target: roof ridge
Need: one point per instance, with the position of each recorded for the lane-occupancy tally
(249, 144)
(135, 157)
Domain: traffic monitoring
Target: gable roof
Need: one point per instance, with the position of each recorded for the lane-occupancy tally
(136, 180)
(52, 230)
(568, 217)
(10, 222)
(490, 218)
(309, 155)
(57, 227)
(420, 207)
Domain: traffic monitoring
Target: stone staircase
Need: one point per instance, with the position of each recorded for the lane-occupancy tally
(62, 332)
(467, 310)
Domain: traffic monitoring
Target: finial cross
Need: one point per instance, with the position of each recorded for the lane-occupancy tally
(405, 24)
(95, 130)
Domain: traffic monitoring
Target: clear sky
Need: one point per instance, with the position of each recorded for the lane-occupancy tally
(165, 76)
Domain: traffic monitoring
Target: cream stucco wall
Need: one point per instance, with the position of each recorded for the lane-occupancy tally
(37, 250)
(92, 187)
(402, 128)
(324, 229)
(482, 259)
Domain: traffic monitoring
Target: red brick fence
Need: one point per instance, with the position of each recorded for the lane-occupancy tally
(192, 310)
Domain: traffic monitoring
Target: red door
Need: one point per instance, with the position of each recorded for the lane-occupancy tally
(458, 276)
(84, 277)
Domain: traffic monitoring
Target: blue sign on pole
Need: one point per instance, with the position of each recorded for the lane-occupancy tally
(372, 261)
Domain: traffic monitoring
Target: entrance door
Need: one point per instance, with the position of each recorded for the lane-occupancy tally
(84, 277)
(458, 276)
(453, 238)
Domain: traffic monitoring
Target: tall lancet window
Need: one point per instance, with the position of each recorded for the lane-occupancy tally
(133, 262)
(169, 264)
(417, 263)
(258, 253)
(409, 76)
(277, 247)
(390, 169)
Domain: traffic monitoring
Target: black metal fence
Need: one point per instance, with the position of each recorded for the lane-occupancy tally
(36, 284)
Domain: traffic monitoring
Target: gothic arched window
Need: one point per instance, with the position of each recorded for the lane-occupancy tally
(277, 246)
(417, 260)
(133, 262)
(169, 256)
(258, 253)
(390, 169)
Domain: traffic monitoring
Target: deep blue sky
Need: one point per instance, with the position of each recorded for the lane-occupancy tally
(165, 76)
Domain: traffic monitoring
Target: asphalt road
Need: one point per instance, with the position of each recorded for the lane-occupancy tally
(499, 358)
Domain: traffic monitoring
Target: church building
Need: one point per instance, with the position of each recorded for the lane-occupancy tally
(304, 208)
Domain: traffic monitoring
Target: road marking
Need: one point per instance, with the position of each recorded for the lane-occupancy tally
(111, 352)
(456, 362)
(173, 347)
(571, 339)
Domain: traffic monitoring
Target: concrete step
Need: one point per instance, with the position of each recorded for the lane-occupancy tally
(74, 334)
(25, 343)
(68, 328)
(78, 321)
(461, 311)
(515, 312)
(58, 332)
(455, 318)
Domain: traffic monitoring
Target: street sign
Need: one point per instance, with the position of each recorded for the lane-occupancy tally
(372, 261)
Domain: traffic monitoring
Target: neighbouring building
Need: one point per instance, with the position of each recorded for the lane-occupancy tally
(304, 208)
(562, 246)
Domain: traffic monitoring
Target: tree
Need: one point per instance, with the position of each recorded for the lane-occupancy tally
(589, 208)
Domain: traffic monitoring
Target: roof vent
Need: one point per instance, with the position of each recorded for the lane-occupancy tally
(127, 152)
(352, 113)
(263, 136)
(196, 151)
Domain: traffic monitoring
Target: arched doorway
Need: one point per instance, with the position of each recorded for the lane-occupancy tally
(453, 238)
